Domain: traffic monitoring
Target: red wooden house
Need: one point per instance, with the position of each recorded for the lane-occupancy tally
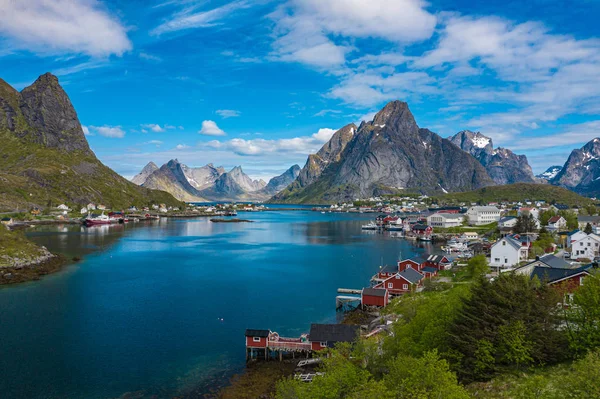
(402, 282)
(257, 338)
(421, 230)
(415, 263)
(440, 262)
(385, 272)
(374, 297)
(429, 271)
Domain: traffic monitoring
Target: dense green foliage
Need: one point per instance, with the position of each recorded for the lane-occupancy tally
(508, 333)
(525, 224)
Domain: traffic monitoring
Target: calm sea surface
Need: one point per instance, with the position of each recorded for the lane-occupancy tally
(160, 308)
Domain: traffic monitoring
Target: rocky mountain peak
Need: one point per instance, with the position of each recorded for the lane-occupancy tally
(472, 141)
(582, 170)
(51, 116)
(141, 177)
(393, 111)
(331, 150)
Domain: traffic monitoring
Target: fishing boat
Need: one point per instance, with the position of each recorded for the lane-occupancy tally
(395, 225)
(455, 246)
(231, 212)
(370, 226)
(98, 220)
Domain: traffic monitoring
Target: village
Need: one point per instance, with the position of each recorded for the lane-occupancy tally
(553, 243)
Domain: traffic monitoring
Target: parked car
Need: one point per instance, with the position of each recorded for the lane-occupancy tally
(567, 255)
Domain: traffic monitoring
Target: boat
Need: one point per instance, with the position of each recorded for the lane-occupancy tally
(395, 225)
(370, 226)
(98, 220)
(455, 246)
(424, 238)
(231, 212)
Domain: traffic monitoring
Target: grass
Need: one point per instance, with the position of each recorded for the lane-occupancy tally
(14, 244)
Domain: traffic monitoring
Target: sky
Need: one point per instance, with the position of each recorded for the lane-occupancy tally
(264, 83)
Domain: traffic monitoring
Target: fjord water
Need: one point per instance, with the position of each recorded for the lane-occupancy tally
(160, 308)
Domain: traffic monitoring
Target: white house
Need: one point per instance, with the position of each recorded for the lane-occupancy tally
(575, 236)
(508, 252)
(507, 222)
(445, 220)
(535, 212)
(62, 207)
(586, 247)
(479, 215)
(91, 206)
(83, 211)
(594, 221)
(556, 223)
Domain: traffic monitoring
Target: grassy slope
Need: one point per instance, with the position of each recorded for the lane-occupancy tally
(14, 245)
(516, 192)
(33, 175)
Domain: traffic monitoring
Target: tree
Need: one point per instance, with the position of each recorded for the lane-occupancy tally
(509, 299)
(571, 218)
(546, 215)
(526, 223)
(583, 318)
(423, 378)
(588, 229)
(477, 266)
(583, 380)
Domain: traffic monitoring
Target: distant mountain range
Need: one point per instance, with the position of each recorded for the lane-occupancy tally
(210, 183)
(45, 159)
(550, 173)
(581, 172)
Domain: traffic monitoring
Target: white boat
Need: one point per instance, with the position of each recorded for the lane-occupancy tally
(455, 246)
(395, 225)
(100, 219)
(370, 226)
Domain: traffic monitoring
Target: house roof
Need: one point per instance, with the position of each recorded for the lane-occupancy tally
(588, 219)
(506, 219)
(389, 269)
(437, 258)
(415, 259)
(420, 227)
(429, 269)
(554, 262)
(554, 219)
(485, 209)
(449, 215)
(6, 219)
(510, 241)
(411, 275)
(333, 333)
(374, 291)
(551, 275)
(257, 333)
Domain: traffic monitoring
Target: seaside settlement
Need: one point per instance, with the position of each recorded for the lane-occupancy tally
(553, 243)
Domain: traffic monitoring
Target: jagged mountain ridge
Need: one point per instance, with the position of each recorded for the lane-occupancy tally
(141, 177)
(550, 173)
(387, 155)
(45, 158)
(581, 172)
(503, 166)
(210, 183)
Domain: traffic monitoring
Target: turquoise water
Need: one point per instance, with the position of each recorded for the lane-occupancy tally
(160, 308)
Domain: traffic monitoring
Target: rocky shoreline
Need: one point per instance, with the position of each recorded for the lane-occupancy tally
(20, 271)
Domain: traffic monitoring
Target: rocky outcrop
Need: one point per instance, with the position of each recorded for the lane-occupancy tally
(581, 172)
(141, 177)
(51, 117)
(503, 166)
(45, 158)
(550, 173)
(280, 182)
(203, 177)
(171, 178)
(387, 155)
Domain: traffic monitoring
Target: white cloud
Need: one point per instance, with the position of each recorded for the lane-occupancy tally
(180, 147)
(157, 143)
(298, 145)
(62, 26)
(190, 17)
(149, 57)
(228, 113)
(210, 128)
(86, 131)
(108, 131)
(574, 135)
(156, 128)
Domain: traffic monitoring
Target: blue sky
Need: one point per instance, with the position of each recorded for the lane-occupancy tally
(264, 83)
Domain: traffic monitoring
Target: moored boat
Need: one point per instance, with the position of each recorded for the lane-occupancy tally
(93, 220)
(370, 226)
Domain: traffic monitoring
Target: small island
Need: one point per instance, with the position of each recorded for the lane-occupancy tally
(231, 221)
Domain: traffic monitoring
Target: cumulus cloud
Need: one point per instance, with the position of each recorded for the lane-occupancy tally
(298, 145)
(228, 113)
(86, 131)
(210, 128)
(108, 131)
(156, 128)
(62, 26)
(180, 147)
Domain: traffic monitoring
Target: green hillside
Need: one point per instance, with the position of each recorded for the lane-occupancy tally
(515, 193)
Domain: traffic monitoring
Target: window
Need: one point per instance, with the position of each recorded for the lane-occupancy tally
(505, 260)
(581, 280)
(496, 259)
(323, 344)
(390, 285)
(404, 286)
(256, 339)
(503, 242)
(581, 244)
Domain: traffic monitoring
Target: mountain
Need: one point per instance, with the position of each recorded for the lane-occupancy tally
(503, 166)
(45, 158)
(204, 176)
(210, 183)
(385, 156)
(280, 182)
(581, 172)
(550, 173)
(141, 177)
(172, 179)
